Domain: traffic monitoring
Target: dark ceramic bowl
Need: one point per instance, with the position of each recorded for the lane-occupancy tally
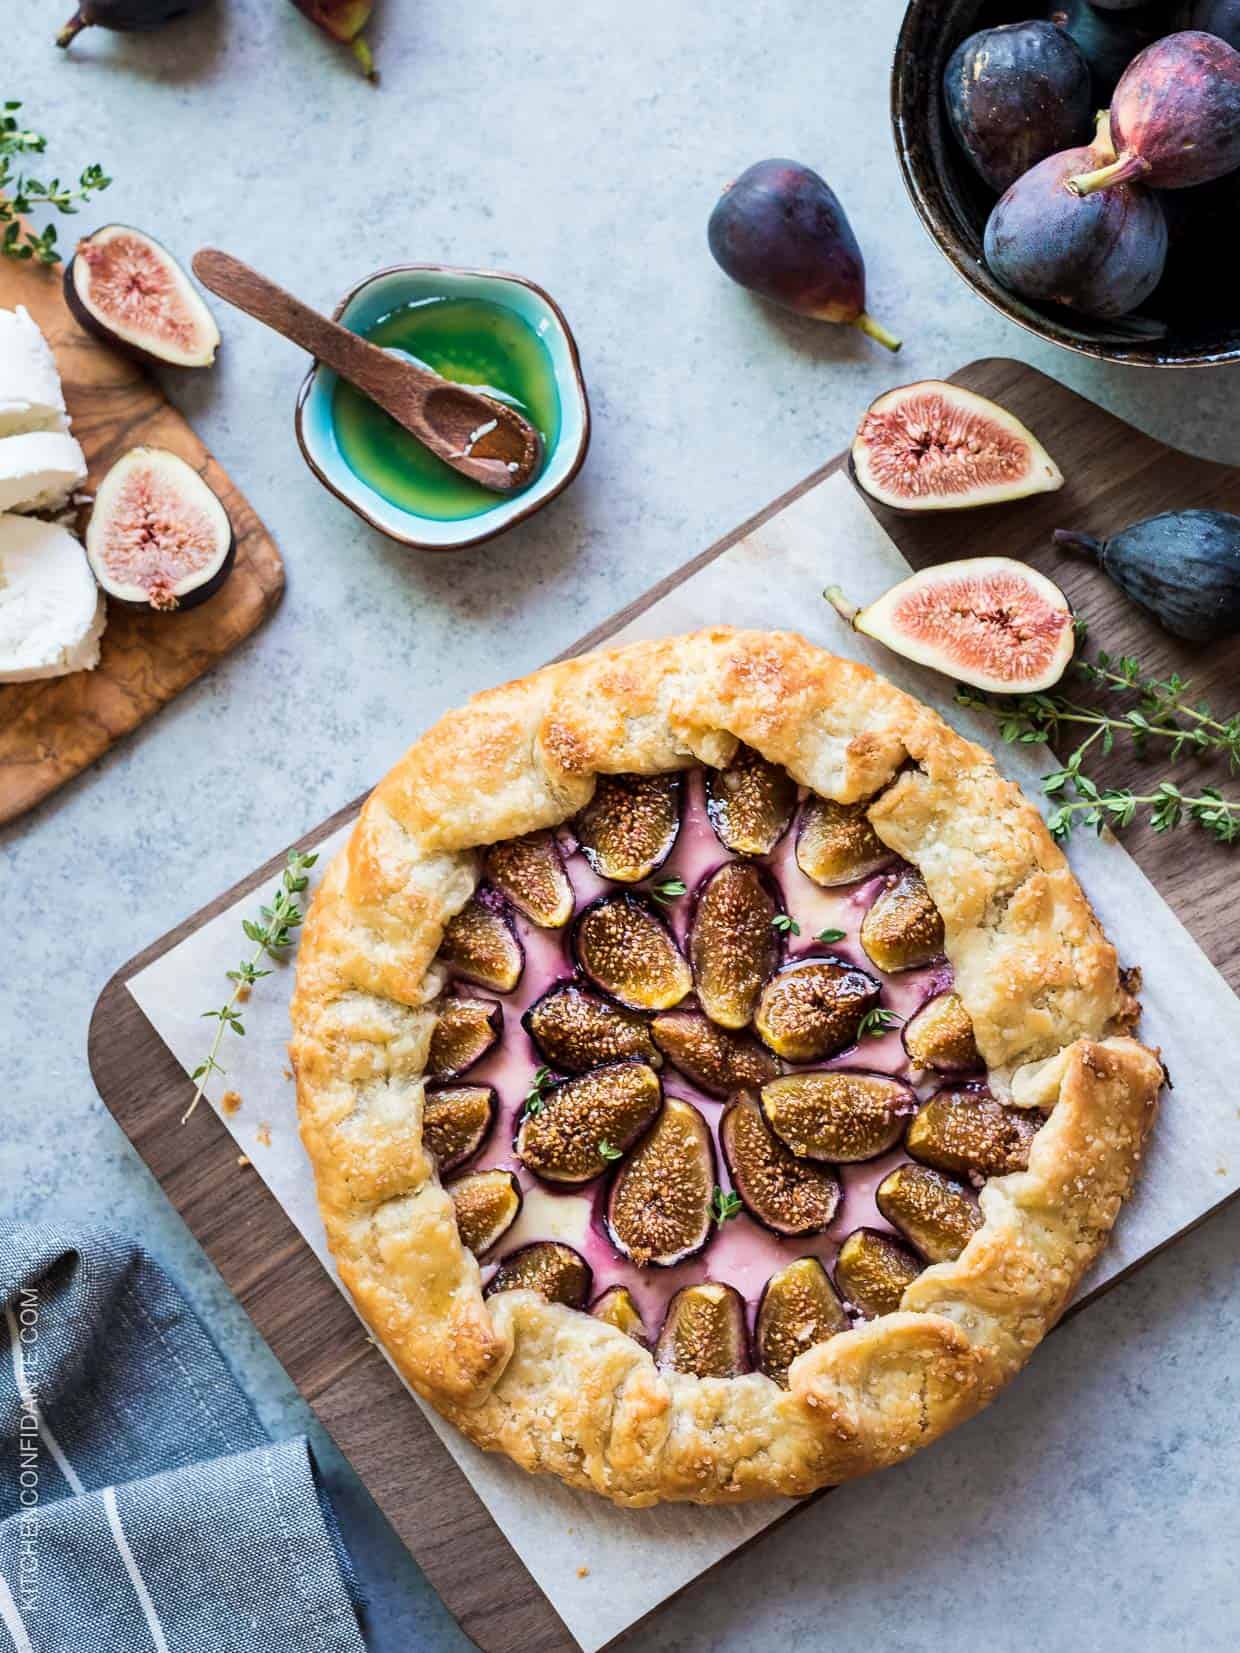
(1192, 319)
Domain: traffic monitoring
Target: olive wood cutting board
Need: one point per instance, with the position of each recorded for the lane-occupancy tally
(1115, 475)
(52, 728)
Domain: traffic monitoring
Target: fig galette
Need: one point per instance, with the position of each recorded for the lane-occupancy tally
(716, 1081)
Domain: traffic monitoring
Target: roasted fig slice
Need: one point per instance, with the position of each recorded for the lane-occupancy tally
(799, 1307)
(127, 290)
(903, 928)
(704, 1333)
(583, 1124)
(617, 1308)
(750, 803)
(781, 1191)
(872, 1271)
(456, 1121)
(936, 1215)
(530, 872)
(733, 942)
(158, 537)
(629, 826)
(813, 1008)
(659, 1207)
(841, 1115)
(554, 1270)
(836, 843)
(487, 1203)
(575, 1030)
(628, 951)
(939, 1036)
(969, 1134)
(465, 1031)
(480, 944)
(714, 1059)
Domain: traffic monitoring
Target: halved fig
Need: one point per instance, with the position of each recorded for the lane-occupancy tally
(813, 1008)
(939, 1036)
(968, 1133)
(903, 928)
(530, 872)
(127, 290)
(836, 843)
(704, 1333)
(659, 1205)
(798, 1308)
(713, 1058)
(781, 1191)
(872, 1271)
(988, 621)
(629, 826)
(841, 1115)
(750, 803)
(480, 944)
(575, 1029)
(554, 1270)
(158, 537)
(585, 1123)
(733, 942)
(934, 446)
(936, 1215)
(487, 1203)
(628, 951)
(617, 1308)
(465, 1031)
(456, 1121)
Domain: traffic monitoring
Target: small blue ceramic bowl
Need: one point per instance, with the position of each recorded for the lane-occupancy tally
(360, 309)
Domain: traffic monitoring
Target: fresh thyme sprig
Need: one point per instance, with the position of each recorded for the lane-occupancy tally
(668, 890)
(271, 937)
(21, 192)
(785, 924)
(828, 936)
(877, 1022)
(608, 1152)
(723, 1207)
(534, 1096)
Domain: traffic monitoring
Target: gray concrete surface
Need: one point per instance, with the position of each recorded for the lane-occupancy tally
(1095, 1505)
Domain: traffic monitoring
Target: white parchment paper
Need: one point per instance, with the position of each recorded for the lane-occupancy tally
(635, 1559)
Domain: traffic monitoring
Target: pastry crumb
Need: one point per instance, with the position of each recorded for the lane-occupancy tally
(583, 1572)
(263, 1134)
(230, 1102)
(243, 1159)
(288, 1072)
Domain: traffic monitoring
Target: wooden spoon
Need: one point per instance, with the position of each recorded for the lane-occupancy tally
(482, 438)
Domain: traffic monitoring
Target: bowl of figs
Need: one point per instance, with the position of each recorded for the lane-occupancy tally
(1078, 161)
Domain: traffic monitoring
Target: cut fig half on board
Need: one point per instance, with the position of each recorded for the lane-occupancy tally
(158, 537)
(127, 290)
(933, 446)
(988, 621)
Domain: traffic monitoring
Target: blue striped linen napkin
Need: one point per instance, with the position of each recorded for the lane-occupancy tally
(143, 1509)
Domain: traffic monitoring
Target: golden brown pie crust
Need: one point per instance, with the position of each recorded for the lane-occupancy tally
(555, 1388)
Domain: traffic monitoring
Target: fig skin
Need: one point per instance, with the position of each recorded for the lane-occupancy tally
(872, 1271)
(750, 804)
(465, 1030)
(1181, 567)
(838, 1115)
(126, 16)
(574, 1030)
(1016, 94)
(704, 1333)
(610, 935)
(554, 1270)
(487, 1203)
(1175, 117)
(344, 20)
(630, 826)
(613, 1104)
(456, 1121)
(659, 1203)
(530, 872)
(903, 928)
(131, 543)
(733, 943)
(121, 246)
(1101, 254)
(1220, 17)
(812, 1009)
(1110, 39)
(939, 1037)
(968, 1133)
(780, 1191)
(836, 844)
(799, 1307)
(936, 1215)
(715, 1059)
(480, 944)
(780, 231)
(617, 1308)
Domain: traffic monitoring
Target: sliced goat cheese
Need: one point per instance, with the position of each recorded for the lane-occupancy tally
(52, 613)
(30, 394)
(40, 470)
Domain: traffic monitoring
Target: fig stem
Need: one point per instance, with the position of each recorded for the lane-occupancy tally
(360, 48)
(72, 29)
(846, 610)
(1121, 171)
(876, 330)
(1079, 542)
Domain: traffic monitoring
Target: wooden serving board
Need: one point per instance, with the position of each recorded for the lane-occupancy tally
(1116, 475)
(51, 729)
